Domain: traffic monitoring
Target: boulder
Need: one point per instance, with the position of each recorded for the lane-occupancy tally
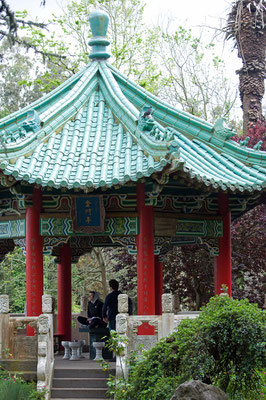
(197, 390)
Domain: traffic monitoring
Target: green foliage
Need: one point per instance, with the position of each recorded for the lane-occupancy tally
(13, 279)
(17, 68)
(15, 388)
(224, 346)
(177, 67)
(116, 343)
(227, 347)
(118, 388)
(194, 75)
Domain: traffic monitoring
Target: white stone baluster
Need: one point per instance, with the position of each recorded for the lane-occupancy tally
(45, 364)
(167, 315)
(122, 330)
(4, 323)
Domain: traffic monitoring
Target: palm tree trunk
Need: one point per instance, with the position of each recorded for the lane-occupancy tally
(247, 25)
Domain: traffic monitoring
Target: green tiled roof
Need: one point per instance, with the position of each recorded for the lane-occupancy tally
(90, 132)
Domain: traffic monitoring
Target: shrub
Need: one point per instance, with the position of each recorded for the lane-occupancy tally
(224, 346)
(227, 347)
(14, 388)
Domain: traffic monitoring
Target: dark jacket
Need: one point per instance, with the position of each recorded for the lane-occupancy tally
(95, 309)
(110, 307)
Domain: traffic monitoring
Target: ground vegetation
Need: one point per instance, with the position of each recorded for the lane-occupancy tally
(224, 346)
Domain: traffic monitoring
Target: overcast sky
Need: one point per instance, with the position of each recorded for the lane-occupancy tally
(195, 11)
(190, 13)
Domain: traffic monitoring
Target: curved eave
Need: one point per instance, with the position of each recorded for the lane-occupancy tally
(189, 125)
(91, 151)
(90, 139)
(218, 171)
(41, 104)
(60, 107)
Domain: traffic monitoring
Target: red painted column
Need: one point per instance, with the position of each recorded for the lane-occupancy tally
(64, 298)
(145, 260)
(222, 263)
(34, 259)
(158, 268)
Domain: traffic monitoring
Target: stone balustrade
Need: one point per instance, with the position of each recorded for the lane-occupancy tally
(127, 327)
(39, 348)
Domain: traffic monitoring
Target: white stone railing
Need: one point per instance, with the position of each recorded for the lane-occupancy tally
(39, 347)
(45, 366)
(127, 327)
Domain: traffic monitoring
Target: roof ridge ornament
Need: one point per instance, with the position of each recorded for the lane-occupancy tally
(31, 124)
(148, 125)
(99, 21)
(221, 130)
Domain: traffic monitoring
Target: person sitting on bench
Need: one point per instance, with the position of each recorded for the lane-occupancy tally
(95, 306)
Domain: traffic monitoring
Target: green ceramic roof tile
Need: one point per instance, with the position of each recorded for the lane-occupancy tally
(90, 133)
(90, 151)
(184, 122)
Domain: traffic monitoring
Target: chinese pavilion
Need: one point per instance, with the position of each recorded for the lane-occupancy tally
(99, 161)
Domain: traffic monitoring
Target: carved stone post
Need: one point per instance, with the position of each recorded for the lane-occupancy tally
(167, 303)
(4, 323)
(45, 343)
(122, 330)
(47, 304)
(167, 315)
(123, 304)
(45, 348)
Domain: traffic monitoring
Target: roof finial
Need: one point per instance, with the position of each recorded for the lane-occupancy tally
(99, 20)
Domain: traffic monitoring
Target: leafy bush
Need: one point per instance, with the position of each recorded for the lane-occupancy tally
(224, 346)
(14, 388)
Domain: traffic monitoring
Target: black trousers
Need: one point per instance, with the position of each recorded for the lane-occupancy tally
(95, 322)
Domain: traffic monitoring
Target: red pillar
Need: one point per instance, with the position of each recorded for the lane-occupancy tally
(64, 300)
(34, 259)
(158, 268)
(145, 260)
(222, 263)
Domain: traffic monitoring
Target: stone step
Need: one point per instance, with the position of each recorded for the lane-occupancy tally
(82, 373)
(78, 393)
(79, 383)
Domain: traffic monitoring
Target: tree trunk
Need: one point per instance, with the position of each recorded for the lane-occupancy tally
(246, 24)
(102, 268)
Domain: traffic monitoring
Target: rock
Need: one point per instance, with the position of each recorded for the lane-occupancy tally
(197, 390)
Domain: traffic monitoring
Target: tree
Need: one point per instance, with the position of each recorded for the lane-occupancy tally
(17, 68)
(91, 273)
(13, 278)
(194, 76)
(127, 32)
(248, 255)
(188, 273)
(246, 25)
(256, 135)
(176, 67)
(11, 22)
